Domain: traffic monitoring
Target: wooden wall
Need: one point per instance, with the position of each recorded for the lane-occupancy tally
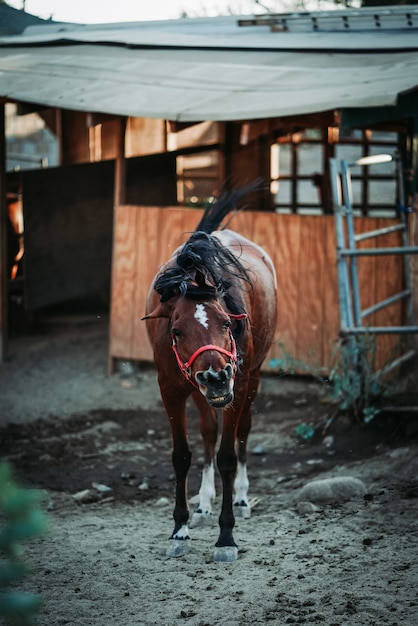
(68, 215)
(303, 250)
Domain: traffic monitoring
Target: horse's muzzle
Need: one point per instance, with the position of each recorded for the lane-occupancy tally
(217, 387)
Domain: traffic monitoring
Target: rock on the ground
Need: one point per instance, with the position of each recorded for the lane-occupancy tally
(333, 489)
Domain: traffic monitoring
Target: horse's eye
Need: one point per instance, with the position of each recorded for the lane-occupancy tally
(176, 332)
(226, 324)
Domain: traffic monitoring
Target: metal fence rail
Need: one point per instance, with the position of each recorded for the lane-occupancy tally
(351, 314)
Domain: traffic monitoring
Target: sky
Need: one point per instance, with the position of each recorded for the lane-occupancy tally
(102, 11)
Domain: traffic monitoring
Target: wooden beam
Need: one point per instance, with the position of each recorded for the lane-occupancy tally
(119, 196)
(3, 242)
(120, 165)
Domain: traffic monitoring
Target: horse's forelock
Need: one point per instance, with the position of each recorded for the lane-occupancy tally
(204, 268)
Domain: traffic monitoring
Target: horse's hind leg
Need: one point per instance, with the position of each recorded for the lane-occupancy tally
(241, 503)
(209, 430)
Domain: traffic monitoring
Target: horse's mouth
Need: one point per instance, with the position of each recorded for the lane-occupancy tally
(221, 401)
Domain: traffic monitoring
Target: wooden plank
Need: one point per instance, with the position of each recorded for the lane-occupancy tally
(287, 263)
(366, 267)
(310, 279)
(189, 220)
(147, 229)
(264, 233)
(389, 271)
(124, 281)
(242, 223)
(330, 304)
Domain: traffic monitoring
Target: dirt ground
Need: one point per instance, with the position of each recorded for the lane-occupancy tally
(100, 448)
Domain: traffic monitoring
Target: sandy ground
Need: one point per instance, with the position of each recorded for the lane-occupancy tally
(348, 560)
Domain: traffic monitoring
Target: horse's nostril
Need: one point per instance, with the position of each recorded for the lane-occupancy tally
(200, 378)
(210, 377)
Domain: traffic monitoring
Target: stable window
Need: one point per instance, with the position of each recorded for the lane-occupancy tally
(197, 161)
(299, 171)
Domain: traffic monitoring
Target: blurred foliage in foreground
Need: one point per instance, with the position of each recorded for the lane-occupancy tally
(20, 519)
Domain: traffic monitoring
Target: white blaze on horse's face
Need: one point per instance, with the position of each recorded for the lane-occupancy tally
(201, 316)
(216, 381)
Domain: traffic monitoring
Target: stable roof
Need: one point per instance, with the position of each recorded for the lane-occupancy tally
(223, 68)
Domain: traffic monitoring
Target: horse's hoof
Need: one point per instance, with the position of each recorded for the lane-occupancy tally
(226, 554)
(178, 547)
(201, 519)
(242, 510)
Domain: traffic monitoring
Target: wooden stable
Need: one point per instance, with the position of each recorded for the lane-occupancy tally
(113, 208)
(132, 201)
(304, 252)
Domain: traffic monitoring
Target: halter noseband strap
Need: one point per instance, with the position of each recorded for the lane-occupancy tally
(185, 367)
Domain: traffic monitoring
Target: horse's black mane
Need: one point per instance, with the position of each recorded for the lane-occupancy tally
(204, 267)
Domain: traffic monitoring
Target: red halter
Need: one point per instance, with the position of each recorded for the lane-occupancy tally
(186, 367)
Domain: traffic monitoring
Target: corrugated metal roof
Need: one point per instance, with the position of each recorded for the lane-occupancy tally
(207, 69)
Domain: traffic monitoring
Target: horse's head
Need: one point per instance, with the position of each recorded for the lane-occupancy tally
(203, 344)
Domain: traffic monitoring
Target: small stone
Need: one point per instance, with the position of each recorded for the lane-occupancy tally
(128, 383)
(334, 489)
(162, 502)
(101, 488)
(258, 450)
(86, 496)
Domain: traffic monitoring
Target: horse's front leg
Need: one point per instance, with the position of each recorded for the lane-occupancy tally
(225, 548)
(175, 405)
(209, 431)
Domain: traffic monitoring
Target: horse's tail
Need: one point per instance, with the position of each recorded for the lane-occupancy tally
(228, 202)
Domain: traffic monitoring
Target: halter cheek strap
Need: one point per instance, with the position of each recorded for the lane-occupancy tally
(186, 367)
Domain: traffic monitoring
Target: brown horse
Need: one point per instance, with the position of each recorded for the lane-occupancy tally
(211, 315)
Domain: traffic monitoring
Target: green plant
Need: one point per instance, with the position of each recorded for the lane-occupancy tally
(20, 519)
(354, 386)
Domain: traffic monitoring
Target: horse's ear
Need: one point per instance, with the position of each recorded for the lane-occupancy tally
(161, 310)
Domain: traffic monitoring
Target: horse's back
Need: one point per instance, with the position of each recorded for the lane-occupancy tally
(261, 298)
(253, 256)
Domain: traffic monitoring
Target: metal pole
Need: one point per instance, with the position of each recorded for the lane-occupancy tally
(348, 193)
(380, 330)
(379, 251)
(343, 282)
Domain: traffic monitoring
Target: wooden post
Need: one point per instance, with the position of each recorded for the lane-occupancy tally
(119, 196)
(120, 166)
(3, 242)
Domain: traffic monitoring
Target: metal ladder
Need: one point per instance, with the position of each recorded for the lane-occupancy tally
(351, 315)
